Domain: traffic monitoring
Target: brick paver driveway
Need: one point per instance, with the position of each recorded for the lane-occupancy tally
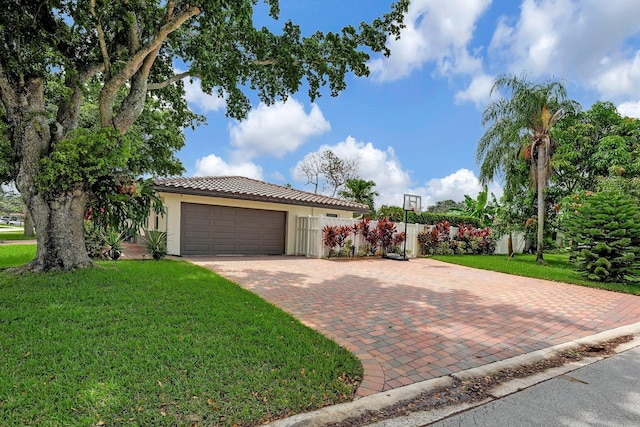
(412, 321)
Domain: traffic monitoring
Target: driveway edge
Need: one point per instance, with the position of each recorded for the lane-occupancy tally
(379, 401)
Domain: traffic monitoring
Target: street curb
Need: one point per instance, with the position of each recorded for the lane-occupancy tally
(379, 401)
(374, 402)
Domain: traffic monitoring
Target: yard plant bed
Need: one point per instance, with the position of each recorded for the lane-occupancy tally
(156, 343)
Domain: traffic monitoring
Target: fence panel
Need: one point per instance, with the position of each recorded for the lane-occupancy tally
(309, 235)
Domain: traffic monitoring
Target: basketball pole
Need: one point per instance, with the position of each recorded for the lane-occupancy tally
(406, 218)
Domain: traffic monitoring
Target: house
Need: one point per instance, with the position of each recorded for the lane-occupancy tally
(235, 215)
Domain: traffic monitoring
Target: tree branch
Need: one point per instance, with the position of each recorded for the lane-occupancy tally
(170, 80)
(110, 88)
(134, 36)
(133, 104)
(101, 40)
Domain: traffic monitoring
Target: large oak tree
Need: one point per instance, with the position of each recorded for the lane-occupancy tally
(53, 53)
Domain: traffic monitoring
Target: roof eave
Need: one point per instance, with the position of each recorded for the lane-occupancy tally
(256, 198)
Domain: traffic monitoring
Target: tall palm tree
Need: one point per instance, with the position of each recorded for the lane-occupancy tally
(522, 120)
(360, 191)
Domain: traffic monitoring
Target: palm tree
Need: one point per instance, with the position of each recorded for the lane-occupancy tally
(523, 121)
(360, 191)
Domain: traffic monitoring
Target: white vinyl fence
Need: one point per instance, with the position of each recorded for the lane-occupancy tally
(309, 235)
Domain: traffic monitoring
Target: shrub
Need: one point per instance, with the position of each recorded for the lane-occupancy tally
(430, 239)
(95, 241)
(475, 240)
(330, 238)
(605, 235)
(385, 231)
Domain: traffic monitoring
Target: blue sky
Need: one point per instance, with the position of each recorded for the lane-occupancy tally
(414, 124)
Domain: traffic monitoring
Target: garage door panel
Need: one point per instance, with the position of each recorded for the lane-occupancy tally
(223, 230)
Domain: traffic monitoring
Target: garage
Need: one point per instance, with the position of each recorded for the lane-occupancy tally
(225, 230)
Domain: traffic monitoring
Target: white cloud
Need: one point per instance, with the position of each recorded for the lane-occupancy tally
(630, 109)
(213, 165)
(436, 31)
(621, 79)
(583, 40)
(454, 187)
(204, 101)
(276, 130)
(380, 166)
(478, 92)
(392, 181)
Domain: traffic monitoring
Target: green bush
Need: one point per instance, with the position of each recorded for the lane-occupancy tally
(605, 234)
(95, 240)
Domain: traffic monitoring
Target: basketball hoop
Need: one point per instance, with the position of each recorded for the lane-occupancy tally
(412, 203)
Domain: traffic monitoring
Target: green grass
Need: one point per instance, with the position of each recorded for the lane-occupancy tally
(155, 343)
(13, 235)
(13, 255)
(557, 268)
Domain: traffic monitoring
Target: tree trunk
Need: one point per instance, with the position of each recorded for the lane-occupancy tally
(541, 181)
(58, 218)
(59, 227)
(28, 224)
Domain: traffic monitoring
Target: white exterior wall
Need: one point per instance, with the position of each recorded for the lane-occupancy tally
(172, 203)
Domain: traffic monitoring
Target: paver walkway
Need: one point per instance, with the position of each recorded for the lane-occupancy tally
(417, 320)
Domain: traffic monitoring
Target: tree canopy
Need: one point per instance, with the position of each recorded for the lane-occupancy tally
(58, 55)
(360, 191)
(521, 122)
(327, 172)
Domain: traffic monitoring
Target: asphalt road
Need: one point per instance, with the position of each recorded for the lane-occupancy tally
(605, 393)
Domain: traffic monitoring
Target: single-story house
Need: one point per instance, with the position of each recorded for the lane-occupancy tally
(235, 215)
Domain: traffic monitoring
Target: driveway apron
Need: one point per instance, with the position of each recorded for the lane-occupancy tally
(417, 320)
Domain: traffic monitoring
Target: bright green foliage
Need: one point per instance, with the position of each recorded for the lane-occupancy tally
(522, 122)
(123, 203)
(605, 234)
(360, 191)
(83, 156)
(89, 90)
(479, 207)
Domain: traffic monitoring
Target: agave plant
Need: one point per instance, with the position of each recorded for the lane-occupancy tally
(156, 243)
(114, 240)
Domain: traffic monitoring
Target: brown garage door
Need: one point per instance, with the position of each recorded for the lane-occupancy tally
(222, 230)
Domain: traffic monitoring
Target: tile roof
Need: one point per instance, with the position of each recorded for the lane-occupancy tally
(240, 187)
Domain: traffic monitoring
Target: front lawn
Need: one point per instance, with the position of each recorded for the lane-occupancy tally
(557, 268)
(155, 343)
(12, 234)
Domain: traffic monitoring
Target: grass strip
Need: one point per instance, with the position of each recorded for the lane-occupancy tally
(557, 268)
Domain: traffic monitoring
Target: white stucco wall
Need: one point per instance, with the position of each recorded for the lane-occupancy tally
(171, 221)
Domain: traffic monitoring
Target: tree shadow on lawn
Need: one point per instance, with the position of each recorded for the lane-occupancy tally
(416, 333)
